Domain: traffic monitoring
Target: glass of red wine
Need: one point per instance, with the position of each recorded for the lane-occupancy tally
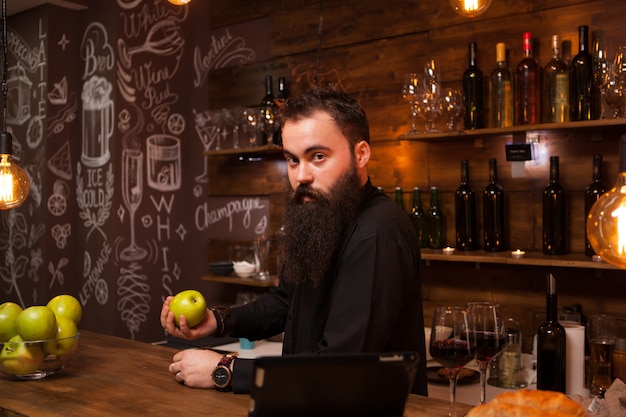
(452, 344)
(486, 322)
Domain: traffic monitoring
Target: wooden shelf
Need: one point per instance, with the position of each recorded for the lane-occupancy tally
(241, 281)
(599, 125)
(573, 260)
(250, 150)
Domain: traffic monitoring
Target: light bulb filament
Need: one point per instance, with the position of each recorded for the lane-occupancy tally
(470, 5)
(6, 180)
(620, 213)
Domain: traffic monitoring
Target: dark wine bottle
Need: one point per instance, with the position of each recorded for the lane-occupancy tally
(554, 213)
(551, 359)
(581, 78)
(473, 93)
(592, 193)
(398, 198)
(555, 105)
(268, 111)
(436, 234)
(494, 212)
(280, 101)
(527, 86)
(501, 105)
(465, 211)
(418, 217)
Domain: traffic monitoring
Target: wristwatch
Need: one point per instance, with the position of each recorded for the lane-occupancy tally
(222, 375)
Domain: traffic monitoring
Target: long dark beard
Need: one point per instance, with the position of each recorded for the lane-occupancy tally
(315, 230)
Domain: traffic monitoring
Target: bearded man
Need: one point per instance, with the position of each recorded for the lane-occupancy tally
(350, 280)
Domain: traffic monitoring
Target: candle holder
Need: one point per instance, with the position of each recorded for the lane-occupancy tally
(517, 254)
(448, 251)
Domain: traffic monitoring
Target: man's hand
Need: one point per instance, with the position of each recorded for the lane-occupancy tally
(194, 367)
(205, 328)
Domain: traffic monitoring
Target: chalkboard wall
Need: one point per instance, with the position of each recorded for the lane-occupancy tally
(103, 106)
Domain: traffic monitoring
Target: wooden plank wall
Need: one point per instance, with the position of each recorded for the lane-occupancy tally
(367, 47)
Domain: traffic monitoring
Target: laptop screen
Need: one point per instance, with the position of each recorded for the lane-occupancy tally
(361, 385)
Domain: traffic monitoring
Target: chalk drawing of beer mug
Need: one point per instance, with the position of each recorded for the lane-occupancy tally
(97, 121)
(163, 159)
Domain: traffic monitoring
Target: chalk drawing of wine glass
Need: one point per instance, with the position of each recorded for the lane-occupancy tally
(132, 191)
(207, 132)
(164, 38)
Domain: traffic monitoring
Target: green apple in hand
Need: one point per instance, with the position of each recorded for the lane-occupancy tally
(36, 323)
(188, 303)
(20, 358)
(8, 316)
(65, 305)
(64, 340)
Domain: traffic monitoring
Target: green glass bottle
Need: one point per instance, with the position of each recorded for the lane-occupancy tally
(436, 229)
(398, 198)
(418, 217)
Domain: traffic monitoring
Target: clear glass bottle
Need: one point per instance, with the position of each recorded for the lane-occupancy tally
(501, 104)
(418, 217)
(465, 211)
(555, 105)
(437, 239)
(527, 86)
(554, 213)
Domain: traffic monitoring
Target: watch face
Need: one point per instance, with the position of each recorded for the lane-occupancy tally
(221, 376)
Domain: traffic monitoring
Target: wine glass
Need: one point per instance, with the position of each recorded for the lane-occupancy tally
(452, 344)
(613, 93)
(411, 94)
(486, 322)
(451, 106)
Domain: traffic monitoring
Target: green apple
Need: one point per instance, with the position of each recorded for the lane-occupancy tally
(65, 305)
(20, 358)
(8, 315)
(36, 323)
(188, 303)
(64, 340)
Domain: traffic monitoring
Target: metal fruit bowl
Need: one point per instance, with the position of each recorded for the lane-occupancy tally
(36, 359)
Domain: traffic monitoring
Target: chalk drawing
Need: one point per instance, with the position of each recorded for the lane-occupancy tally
(97, 121)
(132, 191)
(163, 162)
(94, 200)
(56, 272)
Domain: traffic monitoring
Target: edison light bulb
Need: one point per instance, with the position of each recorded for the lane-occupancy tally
(470, 8)
(179, 2)
(14, 183)
(606, 221)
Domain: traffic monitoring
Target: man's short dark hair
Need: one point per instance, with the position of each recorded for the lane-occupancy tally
(345, 111)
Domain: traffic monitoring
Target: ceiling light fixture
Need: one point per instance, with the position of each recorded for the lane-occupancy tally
(470, 8)
(14, 183)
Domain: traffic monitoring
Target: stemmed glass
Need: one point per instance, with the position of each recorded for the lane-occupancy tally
(411, 94)
(429, 104)
(452, 344)
(487, 324)
(451, 106)
(613, 93)
(132, 191)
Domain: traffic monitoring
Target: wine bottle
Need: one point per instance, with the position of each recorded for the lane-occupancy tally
(418, 217)
(280, 101)
(494, 212)
(473, 93)
(592, 193)
(527, 86)
(555, 105)
(268, 111)
(501, 91)
(551, 359)
(398, 198)
(465, 211)
(581, 89)
(554, 213)
(436, 234)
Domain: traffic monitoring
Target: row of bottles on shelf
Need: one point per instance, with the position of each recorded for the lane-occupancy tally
(269, 108)
(430, 225)
(559, 92)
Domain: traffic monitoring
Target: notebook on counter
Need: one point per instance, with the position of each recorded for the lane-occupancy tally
(333, 385)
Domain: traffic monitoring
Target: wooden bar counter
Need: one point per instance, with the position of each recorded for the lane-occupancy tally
(112, 376)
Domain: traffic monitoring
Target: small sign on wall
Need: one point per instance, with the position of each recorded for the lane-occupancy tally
(237, 217)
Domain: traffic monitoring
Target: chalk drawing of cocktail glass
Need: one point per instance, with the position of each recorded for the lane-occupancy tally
(132, 192)
(164, 172)
(164, 38)
(207, 132)
(97, 121)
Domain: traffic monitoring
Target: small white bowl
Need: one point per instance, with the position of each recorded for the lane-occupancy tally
(244, 269)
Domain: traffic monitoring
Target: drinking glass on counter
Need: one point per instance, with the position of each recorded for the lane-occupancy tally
(485, 320)
(601, 333)
(452, 344)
